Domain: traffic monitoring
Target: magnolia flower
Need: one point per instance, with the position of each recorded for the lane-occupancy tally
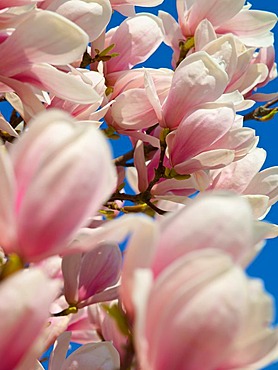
(135, 40)
(244, 177)
(198, 80)
(91, 356)
(203, 312)
(211, 221)
(64, 43)
(58, 174)
(252, 27)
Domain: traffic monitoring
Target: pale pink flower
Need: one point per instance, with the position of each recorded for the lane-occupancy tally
(25, 300)
(252, 27)
(244, 177)
(135, 40)
(203, 312)
(208, 139)
(91, 356)
(95, 81)
(212, 220)
(245, 70)
(198, 80)
(56, 41)
(59, 173)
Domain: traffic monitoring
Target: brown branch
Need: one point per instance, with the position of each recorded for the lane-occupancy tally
(262, 113)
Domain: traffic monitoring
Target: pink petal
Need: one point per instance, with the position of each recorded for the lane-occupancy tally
(207, 216)
(139, 162)
(60, 349)
(180, 309)
(5, 126)
(92, 17)
(10, 3)
(93, 356)
(197, 80)
(31, 104)
(64, 85)
(63, 166)
(71, 268)
(216, 11)
(211, 159)
(198, 132)
(252, 27)
(204, 34)
(24, 295)
(7, 195)
(133, 110)
(56, 41)
(238, 174)
(266, 183)
(100, 269)
(135, 40)
(172, 34)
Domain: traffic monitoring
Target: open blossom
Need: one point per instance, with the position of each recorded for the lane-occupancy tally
(252, 27)
(202, 224)
(198, 80)
(91, 356)
(131, 43)
(244, 177)
(94, 80)
(38, 55)
(245, 69)
(53, 181)
(212, 315)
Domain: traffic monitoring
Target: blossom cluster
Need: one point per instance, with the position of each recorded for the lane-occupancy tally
(188, 200)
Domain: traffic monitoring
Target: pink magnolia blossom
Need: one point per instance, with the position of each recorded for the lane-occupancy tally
(135, 40)
(94, 80)
(245, 71)
(64, 43)
(243, 176)
(54, 180)
(86, 276)
(197, 80)
(201, 224)
(25, 300)
(91, 356)
(203, 312)
(208, 139)
(252, 27)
